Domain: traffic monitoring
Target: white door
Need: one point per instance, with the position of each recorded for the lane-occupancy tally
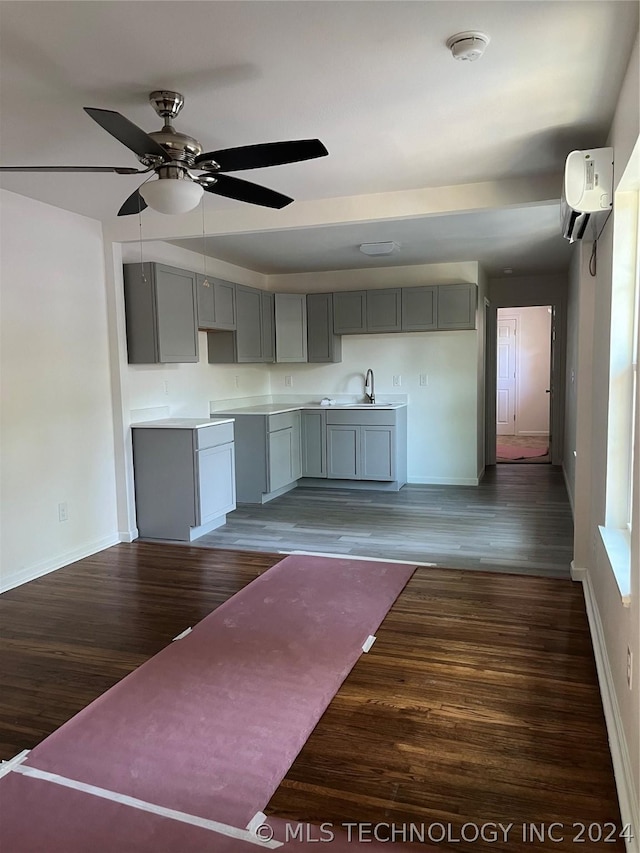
(506, 396)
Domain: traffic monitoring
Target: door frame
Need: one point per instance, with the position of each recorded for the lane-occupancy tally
(556, 425)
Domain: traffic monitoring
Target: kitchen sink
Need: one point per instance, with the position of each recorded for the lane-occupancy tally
(366, 405)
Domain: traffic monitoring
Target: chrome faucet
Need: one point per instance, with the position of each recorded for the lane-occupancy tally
(369, 389)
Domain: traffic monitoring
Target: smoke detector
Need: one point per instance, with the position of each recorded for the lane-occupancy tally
(468, 46)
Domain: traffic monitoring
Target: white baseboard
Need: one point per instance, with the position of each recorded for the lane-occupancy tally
(444, 481)
(44, 568)
(532, 432)
(627, 795)
(128, 535)
(577, 574)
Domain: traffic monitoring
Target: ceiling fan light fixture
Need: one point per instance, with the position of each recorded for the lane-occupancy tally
(172, 195)
(379, 248)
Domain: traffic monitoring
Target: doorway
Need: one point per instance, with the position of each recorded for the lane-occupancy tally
(524, 398)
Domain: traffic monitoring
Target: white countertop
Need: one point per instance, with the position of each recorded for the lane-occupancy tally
(280, 408)
(182, 423)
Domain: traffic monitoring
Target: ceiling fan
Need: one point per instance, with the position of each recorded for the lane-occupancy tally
(173, 156)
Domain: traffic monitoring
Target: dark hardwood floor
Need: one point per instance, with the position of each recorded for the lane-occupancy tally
(517, 520)
(478, 702)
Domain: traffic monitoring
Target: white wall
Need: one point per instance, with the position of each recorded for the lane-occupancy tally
(533, 365)
(442, 416)
(616, 628)
(56, 424)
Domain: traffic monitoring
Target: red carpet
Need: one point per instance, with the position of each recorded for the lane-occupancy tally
(509, 451)
(211, 724)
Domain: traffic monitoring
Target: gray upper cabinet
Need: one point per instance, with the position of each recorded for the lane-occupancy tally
(216, 303)
(350, 312)
(248, 324)
(291, 327)
(457, 306)
(384, 310)
(268, 327)
(161, 314)
(252, 341)
(323, 346)
(419, 309)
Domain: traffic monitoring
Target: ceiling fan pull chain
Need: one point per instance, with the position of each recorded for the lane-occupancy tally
(205, 283)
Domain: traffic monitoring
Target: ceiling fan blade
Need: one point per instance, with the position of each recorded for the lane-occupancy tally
(118, 169)
(265, 154)
(127, 132)
(134, 204)
(246, 191)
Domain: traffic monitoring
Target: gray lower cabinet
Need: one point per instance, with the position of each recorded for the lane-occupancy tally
(323, 345)
(314, 443)
(253, 339)
(161, 314)
(291, 327)
(269, 455)
(216, 303)
(184, 480)
(367, 445)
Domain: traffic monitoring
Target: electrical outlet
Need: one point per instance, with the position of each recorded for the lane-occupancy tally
(63, 512)
(288, 381)
(629, 667)
(424, 379)
(397, 380)
(237, 380)
(166, 386)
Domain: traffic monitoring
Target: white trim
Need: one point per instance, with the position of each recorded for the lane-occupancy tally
(577, 573)
(128, 535)
(354, 557)
(142, 805)
(627, 796)
(44, 568)
(569, 492)
(533, 432)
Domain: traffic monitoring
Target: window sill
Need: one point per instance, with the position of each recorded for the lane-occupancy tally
(617, 544)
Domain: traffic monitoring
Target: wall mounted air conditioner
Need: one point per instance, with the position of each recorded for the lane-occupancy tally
(587, 190)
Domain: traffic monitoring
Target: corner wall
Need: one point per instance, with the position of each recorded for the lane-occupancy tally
(57, 442)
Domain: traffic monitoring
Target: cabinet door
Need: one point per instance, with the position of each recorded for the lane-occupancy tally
(323, 346)
(350, 312)
(248, 325)
(206, 313)
(224, 303)
(216, 482)
(268, 327)
(291, 327)
(280, 472)
(296, 448)
(176, 313)
(314, 444)
(384, 310)
(343, 450)
(457, 306)
(419, 309)
(377, 445)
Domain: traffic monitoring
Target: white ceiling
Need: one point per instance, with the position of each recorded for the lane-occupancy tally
(373, 80)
